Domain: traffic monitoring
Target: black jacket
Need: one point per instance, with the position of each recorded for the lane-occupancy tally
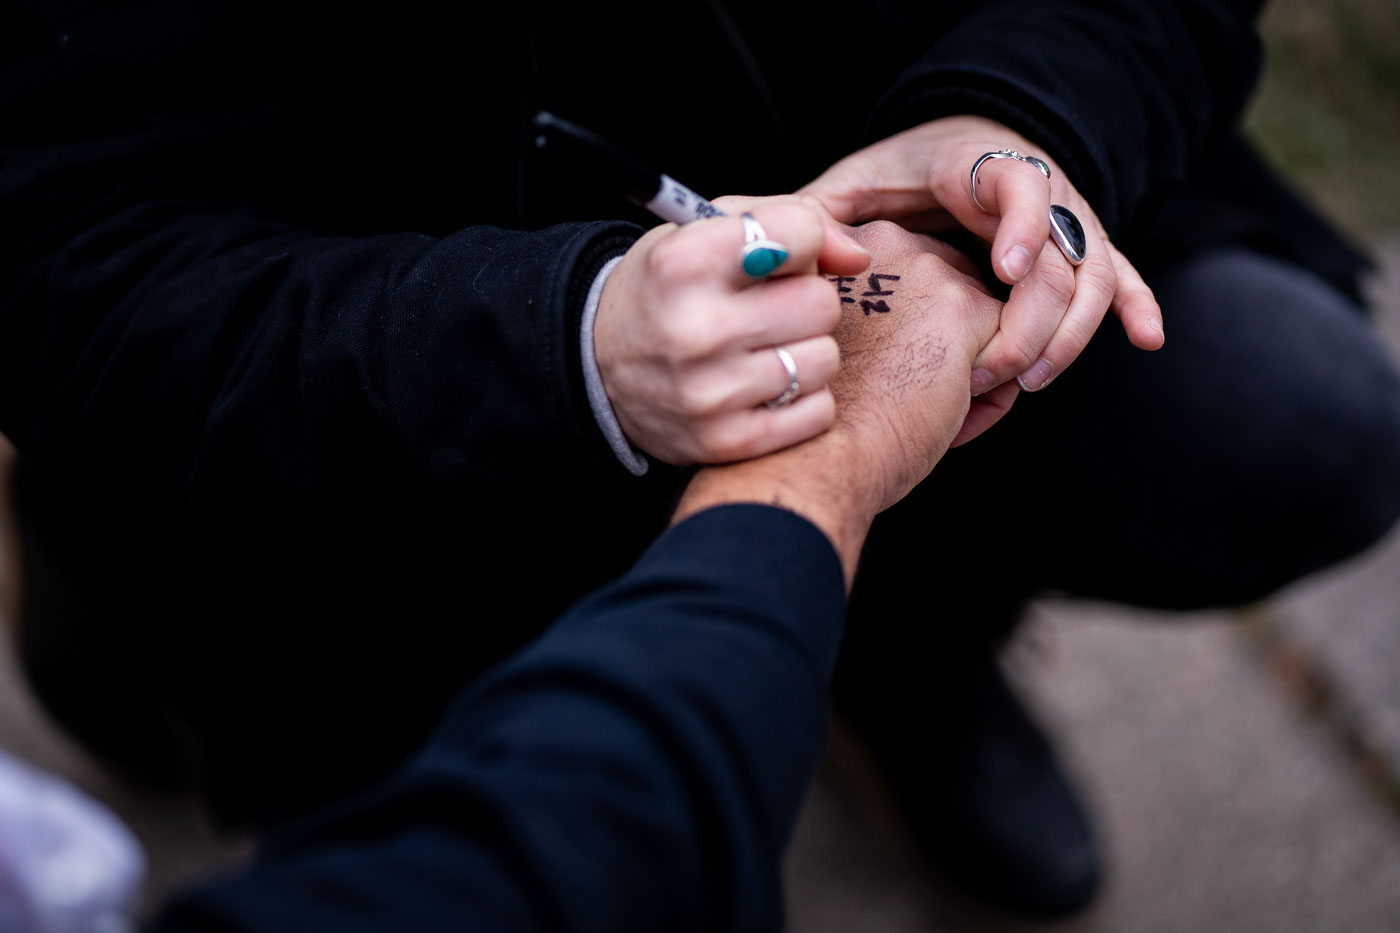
(638, 768)
(289, 306)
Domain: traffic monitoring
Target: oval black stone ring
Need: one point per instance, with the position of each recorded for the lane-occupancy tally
(1068, 234)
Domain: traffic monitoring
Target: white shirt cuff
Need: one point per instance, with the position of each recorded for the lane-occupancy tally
(635, 463)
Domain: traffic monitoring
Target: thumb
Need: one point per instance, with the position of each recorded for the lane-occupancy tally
(840, 253)
(839, 193)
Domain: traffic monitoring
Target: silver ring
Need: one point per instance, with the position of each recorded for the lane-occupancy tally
(760, 255)
(793, 388)
(1004, 154)
(1068, 233)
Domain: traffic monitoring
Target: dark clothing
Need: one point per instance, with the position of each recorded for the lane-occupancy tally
(637, 768)
(289, 305)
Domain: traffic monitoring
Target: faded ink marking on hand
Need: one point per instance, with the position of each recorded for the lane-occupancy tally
(874, 290)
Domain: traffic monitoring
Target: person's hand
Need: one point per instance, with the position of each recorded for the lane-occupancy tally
(910, 327)
(913, 324)
(921, 178)
(686, 341)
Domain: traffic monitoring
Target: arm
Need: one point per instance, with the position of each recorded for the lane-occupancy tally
(640, 766)
(201, 264)
(190, 276)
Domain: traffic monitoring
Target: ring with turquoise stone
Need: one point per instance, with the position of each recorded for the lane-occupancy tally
(760, 255)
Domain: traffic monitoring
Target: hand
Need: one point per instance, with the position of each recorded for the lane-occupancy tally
(902, 392)
(685, 340)
(910, 329)
(921, 178)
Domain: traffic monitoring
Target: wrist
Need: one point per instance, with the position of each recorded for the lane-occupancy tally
(825, 483)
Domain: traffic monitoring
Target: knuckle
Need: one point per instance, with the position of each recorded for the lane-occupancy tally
(880, 235)
(700, 397)
(728, 439)
(1016, 355)
(813, 204)
(1057, 277)
(674, 260)
(1101, 285)
(948, 186)
(930, 266)
(1079, 333)
(688, 336)
(694, 402)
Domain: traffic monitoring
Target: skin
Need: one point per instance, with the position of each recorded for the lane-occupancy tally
(684, 340)
(901, 399)
(920, 178)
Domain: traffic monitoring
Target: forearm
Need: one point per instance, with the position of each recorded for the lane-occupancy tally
(238, 355)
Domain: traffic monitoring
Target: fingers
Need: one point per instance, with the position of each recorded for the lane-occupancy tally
(711, 251)
(1015, 197)
(840, 253)
(685, 339)
(760, 375)
(1029, 321)
(1136, 306)
(985, 412)
(725, 399)
(743, 435)
(1093, 285)
(780, 311)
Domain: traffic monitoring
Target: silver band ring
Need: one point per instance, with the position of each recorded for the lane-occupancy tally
(793, 388)
(1004, 154)
(760, 255)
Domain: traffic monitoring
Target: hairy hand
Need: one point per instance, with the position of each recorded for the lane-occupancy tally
(911, 327)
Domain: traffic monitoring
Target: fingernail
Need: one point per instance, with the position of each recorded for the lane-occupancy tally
(982, 381)
(1037, 376)
(853, 242)
(1016, 263)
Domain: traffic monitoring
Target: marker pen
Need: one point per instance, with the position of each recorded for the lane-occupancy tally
(659, 193)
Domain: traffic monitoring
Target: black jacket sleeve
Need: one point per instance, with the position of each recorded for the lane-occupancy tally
(1124, 94)
(169, 290)
(638, 768)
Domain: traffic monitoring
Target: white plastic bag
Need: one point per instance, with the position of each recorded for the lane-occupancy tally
(67, 864)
